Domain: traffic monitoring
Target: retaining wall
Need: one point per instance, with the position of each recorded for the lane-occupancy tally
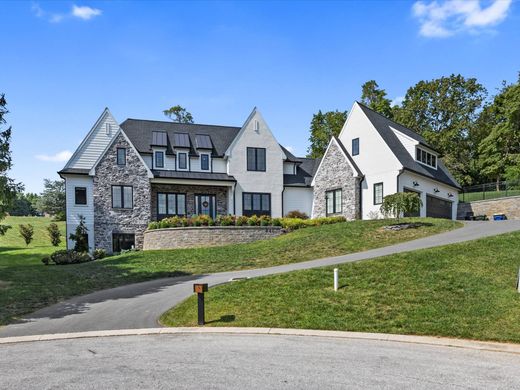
(193, 237)
(509, 206)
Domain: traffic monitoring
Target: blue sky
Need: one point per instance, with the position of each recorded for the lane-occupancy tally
(63, 62)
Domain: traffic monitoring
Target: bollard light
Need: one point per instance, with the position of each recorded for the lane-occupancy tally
(336, 271)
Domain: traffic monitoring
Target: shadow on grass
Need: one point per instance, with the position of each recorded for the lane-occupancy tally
(223, 319)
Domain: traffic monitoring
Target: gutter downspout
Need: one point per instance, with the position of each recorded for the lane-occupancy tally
(282, 199)
(361, 197)
(234, 198)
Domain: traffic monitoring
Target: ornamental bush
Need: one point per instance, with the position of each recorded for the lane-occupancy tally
(63, 257)
(54, 234)
(400, 203)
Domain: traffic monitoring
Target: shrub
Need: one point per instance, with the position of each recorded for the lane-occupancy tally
(253, 221)
(80, 236)
(99, 254)
(265, 220)
(54, 234)
(401, 202)
(276, 221)
(297, 214)
(69, 257)
(46, 260)
(26, 232)
(4, 229)
(241, 220)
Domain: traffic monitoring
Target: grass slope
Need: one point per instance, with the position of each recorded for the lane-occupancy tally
(26, 284)
(465, 290)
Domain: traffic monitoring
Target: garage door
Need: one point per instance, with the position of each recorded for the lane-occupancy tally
(438, 208)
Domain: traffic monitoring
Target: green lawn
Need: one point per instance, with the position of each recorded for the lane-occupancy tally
(26, 284)
(465, 290)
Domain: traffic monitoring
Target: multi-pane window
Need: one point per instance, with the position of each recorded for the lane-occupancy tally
(80, 195)
(355, 146)
(183, 160)
(256, 204)
(425, 157)
(334, 203)
(159, 159)
(378, 193)
(204, 162)
(170, 204)
(121, 156)
(256, 159)
(122, 197)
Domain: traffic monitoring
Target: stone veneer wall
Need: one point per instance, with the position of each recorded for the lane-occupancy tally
(192, 237)
(508, 206)
(335, 172)
(108, 220)
(221, 194)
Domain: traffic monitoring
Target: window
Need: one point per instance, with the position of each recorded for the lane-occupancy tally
(80, 195)
(122, 241)
(426, 158)
(170, 204)
(333, 201)
(204, 162)
(256, 204)
(355, 146)
(183, 160)
(256, 159)
(378, 193)
(121, 156)
(122, 197)
(159, 159)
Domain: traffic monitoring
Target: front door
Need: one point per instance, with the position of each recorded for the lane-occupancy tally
(205, 205)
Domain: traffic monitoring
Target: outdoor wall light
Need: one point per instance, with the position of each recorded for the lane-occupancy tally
(436, 190)
(415, 184)
(450, 195)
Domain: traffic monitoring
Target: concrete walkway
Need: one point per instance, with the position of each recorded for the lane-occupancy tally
(139, 305)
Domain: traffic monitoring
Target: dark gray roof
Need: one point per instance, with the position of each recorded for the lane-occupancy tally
(203, 141)
(140, 133)
(181, 140)
(290, 157)
(305, 170)
(382, 125)
(192, 175)
(76, 171)
(159, 138)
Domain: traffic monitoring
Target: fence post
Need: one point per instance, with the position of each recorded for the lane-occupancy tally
(483, 192)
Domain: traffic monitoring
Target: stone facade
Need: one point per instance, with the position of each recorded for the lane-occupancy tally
(192, 237)
(221, 196)
(509, 206)
(108, 220)
(335, 172)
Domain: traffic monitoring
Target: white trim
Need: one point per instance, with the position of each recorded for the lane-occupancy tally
(354, 169)
(201, 182)
(178, 160)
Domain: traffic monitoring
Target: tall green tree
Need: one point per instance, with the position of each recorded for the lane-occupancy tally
(52, 199)
(178, 114)
(8, 187)
(24, 205)
(499, 151)
(444, 111)
(375, 98)
(323, 127)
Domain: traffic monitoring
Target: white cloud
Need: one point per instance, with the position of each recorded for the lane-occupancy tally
(62, 156)
(81, 12)
(397, 101)
(84, 12)
(447, 18)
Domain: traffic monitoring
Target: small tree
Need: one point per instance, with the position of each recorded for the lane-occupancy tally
(26, 232)
(80, 236)
(178, 114)
(399, 203)
(54, 234)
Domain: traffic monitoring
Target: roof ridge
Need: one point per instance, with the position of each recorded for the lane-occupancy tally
(177, 123)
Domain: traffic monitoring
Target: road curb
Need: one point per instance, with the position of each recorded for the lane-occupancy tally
(424, 340)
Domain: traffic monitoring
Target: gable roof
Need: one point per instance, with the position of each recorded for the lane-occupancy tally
(384, 128)
(305, 170)
(140, 133)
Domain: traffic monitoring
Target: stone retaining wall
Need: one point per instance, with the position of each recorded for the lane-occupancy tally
(192, 237)
(509, 206)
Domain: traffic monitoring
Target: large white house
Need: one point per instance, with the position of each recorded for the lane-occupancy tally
(122, 176)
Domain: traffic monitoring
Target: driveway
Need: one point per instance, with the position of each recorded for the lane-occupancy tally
(139, 305)
(224, 361)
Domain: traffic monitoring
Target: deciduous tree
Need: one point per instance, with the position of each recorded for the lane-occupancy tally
(375, 98)
(323, 127)
(178, 114)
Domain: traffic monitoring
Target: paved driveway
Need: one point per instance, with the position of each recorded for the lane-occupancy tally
(202, 361)
(139, 305)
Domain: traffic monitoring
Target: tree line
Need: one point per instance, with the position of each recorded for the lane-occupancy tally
(477, 134)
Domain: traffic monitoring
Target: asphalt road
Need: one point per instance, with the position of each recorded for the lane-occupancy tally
(139, 305)
(250, 361)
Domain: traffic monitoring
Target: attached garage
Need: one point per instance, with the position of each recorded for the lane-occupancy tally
(438, 208)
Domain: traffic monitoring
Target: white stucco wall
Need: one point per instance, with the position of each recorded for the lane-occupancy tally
(296, 198)
(375, 160)
(73, 210)
(426, 187)
(270, 181)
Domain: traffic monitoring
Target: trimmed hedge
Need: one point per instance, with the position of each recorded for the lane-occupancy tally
(68, 257)
(231, 220)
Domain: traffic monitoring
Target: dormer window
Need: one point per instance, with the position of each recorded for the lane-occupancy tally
(204, 162)
(121, 156)
(426, 158)
(159, 159)
(182, 159)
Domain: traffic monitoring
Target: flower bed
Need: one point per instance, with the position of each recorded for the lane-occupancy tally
(231, 220)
